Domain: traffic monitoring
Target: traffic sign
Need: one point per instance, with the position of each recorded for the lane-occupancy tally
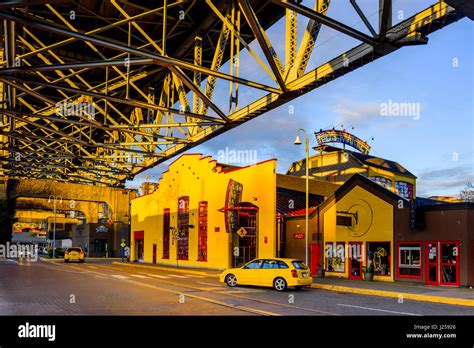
(242, 232)
(123, 245)
(123, 240)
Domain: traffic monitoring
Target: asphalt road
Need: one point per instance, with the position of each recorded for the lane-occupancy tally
(98, 288)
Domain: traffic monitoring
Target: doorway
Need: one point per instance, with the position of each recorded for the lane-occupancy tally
(442, 263)
(244, 239)
(154, 253)
(355, 260)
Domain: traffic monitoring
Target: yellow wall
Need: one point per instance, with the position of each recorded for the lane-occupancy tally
(375, 224)
(202, 180)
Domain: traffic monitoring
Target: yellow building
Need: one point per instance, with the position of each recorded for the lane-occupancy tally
(351, 229)
(206, 214)
(338, 165)
(358, 225)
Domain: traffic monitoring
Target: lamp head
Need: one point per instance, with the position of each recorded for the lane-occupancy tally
(297, 140)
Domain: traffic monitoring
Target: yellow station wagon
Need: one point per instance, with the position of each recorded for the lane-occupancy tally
(276, 272)
(74, 254)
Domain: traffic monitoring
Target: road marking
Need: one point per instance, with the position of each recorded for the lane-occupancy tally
(92, 266)
(139, 276)
(227, 293)
(178, 276)
(118, 276)
(156, 276)
(213, 284)
(217, 302)
(378, 309)
(195, 276)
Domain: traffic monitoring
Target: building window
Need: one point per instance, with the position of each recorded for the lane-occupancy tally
(378, 257)
(404, 189)
(166, 233)
(382, 181)
(202, 233)
(409, 260)
(335, 260)
(183, 228)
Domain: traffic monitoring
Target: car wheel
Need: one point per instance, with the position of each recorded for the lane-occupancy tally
(66, 261)
(231, 280)
(279, 284)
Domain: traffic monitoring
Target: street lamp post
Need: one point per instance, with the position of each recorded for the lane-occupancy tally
(55, 198)
(298, 142)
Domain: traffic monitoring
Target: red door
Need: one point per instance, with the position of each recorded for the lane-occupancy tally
(154, 253)
(442, 263)
(355, 260)
(449, 263)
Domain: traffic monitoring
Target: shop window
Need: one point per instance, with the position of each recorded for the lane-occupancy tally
(409, 260)
(335, 260)
(381, 181)
(378, 257)
(202, 232)
(404, 189)
(166, 233)
(183, 228)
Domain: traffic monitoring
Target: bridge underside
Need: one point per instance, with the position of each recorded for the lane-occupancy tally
(98, 91)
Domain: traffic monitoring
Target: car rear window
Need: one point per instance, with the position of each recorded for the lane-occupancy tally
(74, 249)
(299, 264)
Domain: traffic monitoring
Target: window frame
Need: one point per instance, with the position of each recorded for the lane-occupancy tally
(420, 244)
(183, 242)
(203, 212)
(343, 258)
(389, 256)
(166, 232)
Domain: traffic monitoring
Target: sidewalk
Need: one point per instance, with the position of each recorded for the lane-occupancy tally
(171, 268)
(407, 291)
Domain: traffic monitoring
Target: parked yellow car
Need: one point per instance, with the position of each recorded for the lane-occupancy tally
(74, 254)
(276, 272)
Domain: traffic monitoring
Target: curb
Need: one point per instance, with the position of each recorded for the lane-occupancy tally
(406, 296)
(168, 269)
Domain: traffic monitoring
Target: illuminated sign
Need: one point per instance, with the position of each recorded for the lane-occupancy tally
(343, 137)
(298, 236)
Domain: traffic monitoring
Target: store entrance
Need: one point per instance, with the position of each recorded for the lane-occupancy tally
(442, 263)
(139, 237)
(355, 260)
(245, 236)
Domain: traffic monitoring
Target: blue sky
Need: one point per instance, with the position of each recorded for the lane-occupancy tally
(438, 147)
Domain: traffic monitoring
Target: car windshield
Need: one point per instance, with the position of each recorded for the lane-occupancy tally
(299, 264)
(77, 250)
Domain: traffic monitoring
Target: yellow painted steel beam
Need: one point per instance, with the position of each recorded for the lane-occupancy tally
(427, 21)
(307, 44)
